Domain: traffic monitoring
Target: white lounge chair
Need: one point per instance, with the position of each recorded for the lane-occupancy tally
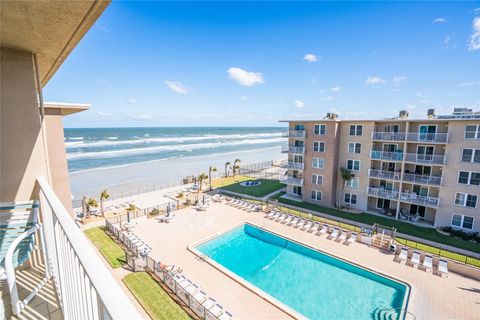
(217, 310)
(307, 225)
(415, 260)
(300, 223)
(226, 316)
(288, 219)
(334, 234)
(343, 236)
(294, 221)
(314, 227)
(324, 229)
(269, 214)
(402, 256)
(427, 263)
(443, 267)
(351, 239)
(209, 303)
(276, 215)
(201, 297)
(281, 217)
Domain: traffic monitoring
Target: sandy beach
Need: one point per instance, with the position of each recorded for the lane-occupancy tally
(149, 174)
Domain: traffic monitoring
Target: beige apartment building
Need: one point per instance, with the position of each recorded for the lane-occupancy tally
(426, 171)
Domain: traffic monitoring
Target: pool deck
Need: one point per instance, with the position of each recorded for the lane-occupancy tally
(432, 297)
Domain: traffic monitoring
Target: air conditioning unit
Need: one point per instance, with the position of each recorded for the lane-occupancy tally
(403, 114)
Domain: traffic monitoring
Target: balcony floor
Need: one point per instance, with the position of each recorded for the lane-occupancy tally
(44, 305)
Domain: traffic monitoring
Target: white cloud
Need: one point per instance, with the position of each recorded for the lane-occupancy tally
(398, 79)
(177, 86)
(439, 20)
(244, 98)
(310, 57)
(142, 117)
(334, 89)
(244, 77)
(375, 80)
(419, 94)
(474, 43)
(104, 114)
(132, 100)
(469, 84)
(299, 104)
(329, 98)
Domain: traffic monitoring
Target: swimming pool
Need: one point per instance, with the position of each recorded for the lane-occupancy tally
(312, 283)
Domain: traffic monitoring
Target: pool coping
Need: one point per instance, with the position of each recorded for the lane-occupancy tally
(267, 297)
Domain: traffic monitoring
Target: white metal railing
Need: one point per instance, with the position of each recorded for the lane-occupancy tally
(382, 193)
(85, 288)
(293, 149)
(295, 165)
(428, 137)
(382, 174)
(295, 181)
(425, 158)
(412, 197)
(388, 136)
(422, 179)
(386, 155)
(294, 134)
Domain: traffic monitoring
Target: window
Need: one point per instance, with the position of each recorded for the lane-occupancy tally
(319, 146)
(318, 163)
(471, 155)
(319, 129)
(472, 132)
(299, 127)
(461, 221)
(353, 165)
(352, 183)
(354, 147)
(468, 177)
(317, 179)
(465, 200)
(350, 198)
(316, 195)
(356, 130)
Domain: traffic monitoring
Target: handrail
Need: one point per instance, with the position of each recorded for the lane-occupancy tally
(113, 300)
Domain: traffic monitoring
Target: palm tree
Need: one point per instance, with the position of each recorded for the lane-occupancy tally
(236, 165)
(346, 175)
(226, 168)
(201, 177)
(103, 196)
(91, 203)
(210, 170)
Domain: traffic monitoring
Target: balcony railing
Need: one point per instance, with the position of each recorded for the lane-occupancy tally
(85, 288)
(422, 179)
(386, 175)
(295, 134)
(293, 149)
(428, 137)
(425, 158)
(386, 155)
(382, 193)
(295, 181)
(295, 165)
(388, 136)
(412, 197)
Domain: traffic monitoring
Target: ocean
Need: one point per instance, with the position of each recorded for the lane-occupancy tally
(101, 148)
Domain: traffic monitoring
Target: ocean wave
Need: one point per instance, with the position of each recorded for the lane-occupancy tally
(75, 138)
(156, 149)
(178, 139)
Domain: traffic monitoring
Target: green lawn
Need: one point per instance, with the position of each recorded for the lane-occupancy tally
(267, 187)
(108, 248)
(402, 227)
(156, 302)
(221, 182)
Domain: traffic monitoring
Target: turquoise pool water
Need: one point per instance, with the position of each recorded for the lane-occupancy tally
(314, 284)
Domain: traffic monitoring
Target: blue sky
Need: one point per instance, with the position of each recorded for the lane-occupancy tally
(252, 64)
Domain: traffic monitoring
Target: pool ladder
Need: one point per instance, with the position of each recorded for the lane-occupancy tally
(393, 314)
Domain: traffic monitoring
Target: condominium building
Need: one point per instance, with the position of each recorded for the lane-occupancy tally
(426, 171)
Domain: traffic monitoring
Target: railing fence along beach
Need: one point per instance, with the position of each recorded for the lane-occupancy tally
(138, 262)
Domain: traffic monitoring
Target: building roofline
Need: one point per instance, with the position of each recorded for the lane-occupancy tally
(67, 108)
(378, 120)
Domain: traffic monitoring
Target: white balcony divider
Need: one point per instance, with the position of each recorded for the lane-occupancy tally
(422, 179)
(382, 174)
(85, 287)
(412, 197)
(388, 136)
(428, 137)
(425, 158)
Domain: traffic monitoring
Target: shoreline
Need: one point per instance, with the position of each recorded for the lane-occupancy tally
(159, 172)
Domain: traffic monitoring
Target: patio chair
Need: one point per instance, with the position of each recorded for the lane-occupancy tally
(334, 234)
(402, 256)
(201, 297)
(226, 316)
(300, 223)
(324, 229)
(209, 303)
(307, 225)
(443, 267)
(269, 214)
(351, 239)
(343, 236)
(18, 225)
(293, 221)
(217, 310)
(281, 217)
(427, 263)
(415, 260)
(287, 219)
(314, 228)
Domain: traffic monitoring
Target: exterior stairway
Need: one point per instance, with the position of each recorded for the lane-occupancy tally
(381, 241)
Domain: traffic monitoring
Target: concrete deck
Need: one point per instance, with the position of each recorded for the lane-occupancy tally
(432, 297)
